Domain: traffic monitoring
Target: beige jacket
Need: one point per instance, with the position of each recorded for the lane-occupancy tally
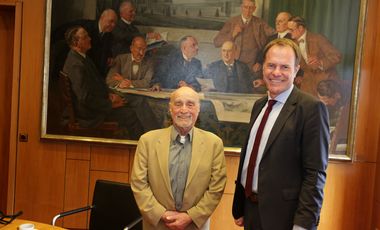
(205, 184)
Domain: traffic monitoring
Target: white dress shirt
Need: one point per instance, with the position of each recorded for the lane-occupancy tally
(281, 99)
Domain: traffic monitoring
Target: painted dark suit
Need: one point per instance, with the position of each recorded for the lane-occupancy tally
(292, 170)
(175, 69)
(91, 101)
(240, 77)
(91, 97)
(123, 36)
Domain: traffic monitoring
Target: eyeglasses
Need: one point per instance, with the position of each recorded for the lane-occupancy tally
(7, 219)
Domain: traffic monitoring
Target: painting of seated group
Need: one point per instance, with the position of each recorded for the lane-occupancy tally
(111, 65)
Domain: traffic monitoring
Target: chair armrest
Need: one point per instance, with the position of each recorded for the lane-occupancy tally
(131, 225)
(62, 214)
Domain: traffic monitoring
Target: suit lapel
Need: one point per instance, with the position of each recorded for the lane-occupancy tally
(162, 153)
(258, 106)
(197, 153)
(286, 111)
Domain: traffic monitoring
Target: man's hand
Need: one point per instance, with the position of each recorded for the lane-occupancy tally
(178, 221)
(314, 63)
(153, 35)
(166, 216)
(240, 221)
(116, 100)
(117, 77)
(183, 83)
(298, 81)
(257, 83)
(125, 83)
(156, 88)
(237, 30)
(256, 67)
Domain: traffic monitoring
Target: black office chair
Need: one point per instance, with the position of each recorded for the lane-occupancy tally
(113, 207)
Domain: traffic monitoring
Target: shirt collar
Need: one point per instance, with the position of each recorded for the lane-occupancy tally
(99, 27)
(245, 20)
(283, 34)
(186, 58)
(282, 97)
(232, 64)
(175, 134)
(128, 22)
(82, 54)
(303, 37)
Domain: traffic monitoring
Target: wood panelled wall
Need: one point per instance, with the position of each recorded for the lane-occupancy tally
(56, 176)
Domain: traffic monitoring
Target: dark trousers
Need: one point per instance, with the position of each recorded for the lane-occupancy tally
(251, 216)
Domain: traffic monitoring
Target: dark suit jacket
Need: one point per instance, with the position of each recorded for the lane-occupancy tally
(101, 45)
(91, 102)
(123, 36)
(173, 70)
(292, 170)
(217, 71)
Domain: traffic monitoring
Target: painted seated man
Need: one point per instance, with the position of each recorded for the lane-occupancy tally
(229, 75)
(181, 68)
(131, 70)
(93, 102)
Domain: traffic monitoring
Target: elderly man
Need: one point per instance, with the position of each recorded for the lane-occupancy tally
(179, 172)
(319, 56)
(282, 170)
(249, 33)
(180, 68)
(101, 40)
(229, 75)
(131, 70)
(125, 29)
(93, 103)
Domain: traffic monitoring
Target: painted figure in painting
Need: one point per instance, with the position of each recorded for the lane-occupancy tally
(180, 68)
(319, 56)
(229, 75)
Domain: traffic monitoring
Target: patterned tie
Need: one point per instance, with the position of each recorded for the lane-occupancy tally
(255, 149)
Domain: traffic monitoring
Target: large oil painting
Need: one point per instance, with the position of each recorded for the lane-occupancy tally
(225, 104)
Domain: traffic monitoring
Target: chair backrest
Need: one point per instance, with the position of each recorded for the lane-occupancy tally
(115, 206)
(67, 94)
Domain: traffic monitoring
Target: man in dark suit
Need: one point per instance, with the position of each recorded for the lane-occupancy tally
(282, 170)
(93, 103)
(181, 68)
(101, 41)
(229, 75)
(125, 30)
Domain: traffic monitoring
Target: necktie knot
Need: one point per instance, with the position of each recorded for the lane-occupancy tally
(271, 103)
